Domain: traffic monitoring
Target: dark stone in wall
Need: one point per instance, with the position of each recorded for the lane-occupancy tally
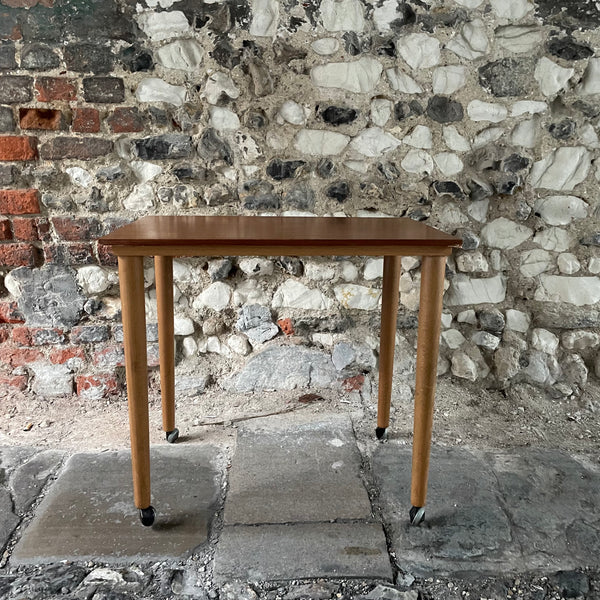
(325, 168)
(352, 43)
(569, 14)
(300, 197)
(448, 187)
(255, 118)
(136, 59)
(6, 174)
(292, 265)
(403, 110)
(15, 89)
(88, 58)
(9, 24)
(105, 90)
(470, 241)
(225, 54)
(568, 49)
(563, 130)
(283, 169)
(339, 191)
(7, 120)
(261, 78)
(338, 115)
(388, 170)
(7, 56)
(444, 110)
(430, 21)
(387, 48)
(491, 320)
(59, 148)
(262, 202)
(163, 147)
(515, 162)
(591, 240)
(478, 190)
(506, 77)
(39, 57)
(212, 147)
(407, 17)
(591, 111)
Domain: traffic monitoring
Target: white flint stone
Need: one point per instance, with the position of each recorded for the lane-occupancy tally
(448, 163)
(223, 119)
(373, 269)
(219, 84)
(374, 141)
(79, 176)
(349, 271)
(161, 3)
(216, 297)
(418, 161)
(453, 338)
(544, 341)
(594, 265)
(478, 210)
(182, 55)
(320, 142)
(93, 280)
(278, 139)
(342, 15)
(532, 107)
(553, 239)
(360, 76)
(261, 333)
(141, 198)
(534, 262)
(561, 210)
(591, 78)
(486, 340)
(256, 267)
(265, 15)
(190, 347)
(153, 89)
(463, 366)
(325, 46)
(145, 171)
(446, 319)
(517, 320)
(51, 381)
(580, 340)
(580, 291)
(293, 294)
(325, 339)
(447, 80)
(467, 316)
(250, 292)
(511, 9)
(360, 166)
(385, 13)
(214, 345)
(487, 136)
(357, 296)
(409, 263)
(588, 136)
(561, 170)
(526, 133)
(469, 3)
(519, 38)
(472, 262)
(183, 325)
(318, 271)
(401, 82)
(239, 344)
(450, 215)
(505, 234)
(419, 50)
(381, 111)
(419, 137)
(455, 140)
(163, 25)
(486, 111)
(406, 283)
(568, 263)
(472, 42)
(470, 290)
(292, 112)
(551, 77)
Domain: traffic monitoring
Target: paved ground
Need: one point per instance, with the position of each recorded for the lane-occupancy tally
(294, 500)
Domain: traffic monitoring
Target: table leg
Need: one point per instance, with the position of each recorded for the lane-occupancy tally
(163, 271)
(428, 342)
(387, 339)
(131, 278)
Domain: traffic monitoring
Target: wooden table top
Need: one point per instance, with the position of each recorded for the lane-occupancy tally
(233, 231)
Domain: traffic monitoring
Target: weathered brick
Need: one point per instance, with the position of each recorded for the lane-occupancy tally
(4, 334)
(88, 58)
(18, 147)
(106, 257)
(76, 229)
(95, 387)
(19, 357)
(72, 147)
(89, 334)
(41, 118)
(15, 89)
(286, 325)
(17, 255)
(80, 253)
(14, 381)
(19, 202)
(86, 120)
(104, 90)
(39, 57)
(7, 119)
(352, 384)
(25, 229)
(55, 88)
(59, 356)
(7, 56)
(5, 230)
(9, 313)
(21, 336)
(41, 336)
(109, 358)
(10, 28)
(126, 120)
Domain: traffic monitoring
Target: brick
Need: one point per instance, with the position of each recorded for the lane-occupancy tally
(25, 229)
(286, 325)
(9, 313)
(59, 356)
(5, 230)
(21, 336)
(7, 119)
(15, 89)
(15, 381)
(89, 334)
(126, 120)
(7, 56)
(18, 147)
(94, 387)
(4, 334)
(72, 147)
(86, 58)
(69, 254)
(41, 118)
(19, 357)
(55, 88)
(19, 202)
(106, 257)
(86, 120)
(76, 229)
(353, 384)
(104, 90)
(17, 255)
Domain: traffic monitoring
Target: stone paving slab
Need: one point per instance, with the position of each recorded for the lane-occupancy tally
(286, 471)
(88, 512)
(301, 551)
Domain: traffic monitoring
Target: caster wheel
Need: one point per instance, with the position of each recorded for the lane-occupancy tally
(417, 515)
(147, 516)
(380, 432)
(172, 436)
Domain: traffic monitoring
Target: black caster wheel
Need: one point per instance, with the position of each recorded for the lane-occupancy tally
(172, 436)
(147, 516)
(380, 432)
(417, 515)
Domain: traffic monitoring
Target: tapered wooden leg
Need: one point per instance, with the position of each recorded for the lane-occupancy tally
(430, 312)
(131, 279)
(387, 339)
(163, 269)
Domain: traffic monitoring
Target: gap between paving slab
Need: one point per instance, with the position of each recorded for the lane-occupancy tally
(88, 513)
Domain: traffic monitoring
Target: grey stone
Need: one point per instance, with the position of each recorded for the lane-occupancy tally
(136, 59)
(7, 175)
(261, 78)
(283, 368)
(568, 49)
(300, 197)
(563, 130)
(88, 58)
(567, 14)
(89, 512)
(7, 56)
(507, 77)
(444, 110)
(225, 54)
(212, 147)
(302, 550)
(325, 168)
(49, 296)
(491, 320)
(343, 355)
(573, 584)
(8, 520)
(7, 119)
(89, 334)
(105, 90)
(339, 191)
(352, 43)
(593, 239)
(192, 384)
(262, 333)
(220, 269)
(313, 473)
(384, 592)
(253, 315)
(312, 591)
(39, 57)
(470, 241)
(166, 146)
(49, 582)
(291, 264)
(15, 89)
(561, 316)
